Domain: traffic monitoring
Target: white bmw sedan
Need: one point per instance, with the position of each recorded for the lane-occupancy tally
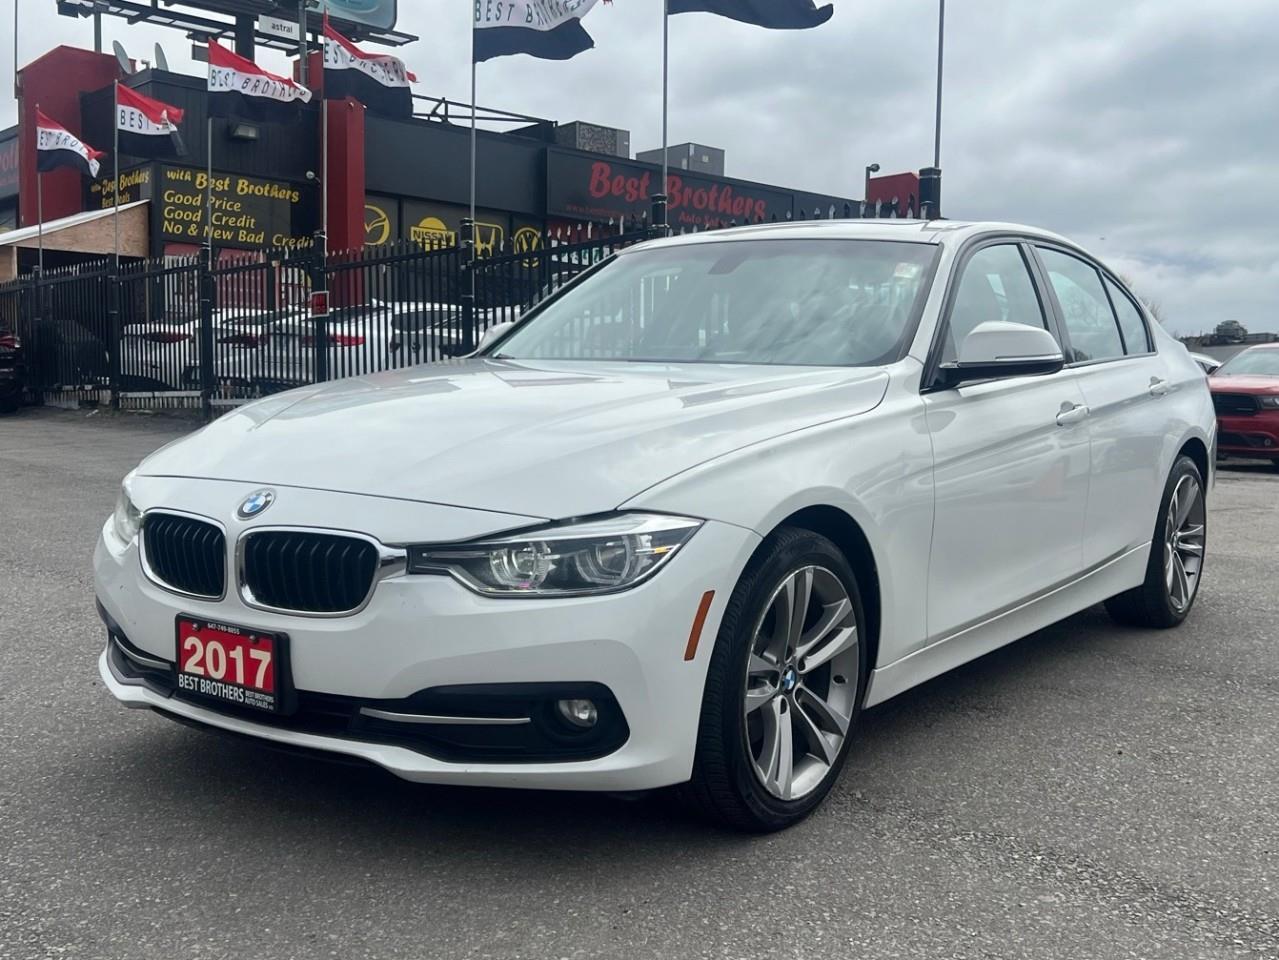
(681, 523)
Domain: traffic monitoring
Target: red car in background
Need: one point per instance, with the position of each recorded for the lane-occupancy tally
(1245, 392)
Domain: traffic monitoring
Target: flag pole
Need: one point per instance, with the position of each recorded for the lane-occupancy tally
(208, 173)
(324, 131)
(474, 232)
(115, 158)
(941, 38)
(114, 298)
(473, 127)
(469, 338)
(324, 169)
(208, 184)
(40, 218)
(16, 4)
(39, 198)
(666, 75)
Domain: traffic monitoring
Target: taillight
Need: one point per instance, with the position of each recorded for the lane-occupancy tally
(166, 336)
(10, 342)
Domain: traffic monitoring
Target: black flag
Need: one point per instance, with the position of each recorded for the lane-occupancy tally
(774, 14)
(378, 80)
(147, 128)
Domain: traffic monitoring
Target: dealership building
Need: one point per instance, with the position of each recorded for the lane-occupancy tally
(387, 181)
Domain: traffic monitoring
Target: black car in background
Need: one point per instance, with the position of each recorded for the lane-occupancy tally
(12, 372)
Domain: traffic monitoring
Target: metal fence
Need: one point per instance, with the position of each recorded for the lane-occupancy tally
(182, 332)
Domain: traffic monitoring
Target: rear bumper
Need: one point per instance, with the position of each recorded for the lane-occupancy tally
(1254, 436)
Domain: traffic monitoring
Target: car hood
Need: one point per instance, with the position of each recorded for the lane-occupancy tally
(1244, 383)
(541, 439)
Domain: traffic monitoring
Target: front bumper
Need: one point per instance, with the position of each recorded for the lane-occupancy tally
(1249, 436)
(426, 633)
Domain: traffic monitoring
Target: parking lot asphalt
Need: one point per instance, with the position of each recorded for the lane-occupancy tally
(1088, 792)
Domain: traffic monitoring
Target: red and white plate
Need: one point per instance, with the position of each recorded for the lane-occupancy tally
(234, 666)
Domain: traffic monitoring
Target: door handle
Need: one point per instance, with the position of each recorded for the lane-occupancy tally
(1158, 387)
(1072, 414)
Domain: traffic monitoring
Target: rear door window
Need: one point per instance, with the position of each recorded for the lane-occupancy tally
(1090, 323)
(1131, 325)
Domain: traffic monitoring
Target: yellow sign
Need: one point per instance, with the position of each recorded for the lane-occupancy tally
(488, 238)
(134, 185)
(246, 211)
(434, 232)
(377, 225)
(527, 240)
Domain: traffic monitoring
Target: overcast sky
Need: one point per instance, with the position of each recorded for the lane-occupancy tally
(1146, 130)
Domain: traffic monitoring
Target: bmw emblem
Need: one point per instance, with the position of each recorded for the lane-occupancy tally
(255, 504)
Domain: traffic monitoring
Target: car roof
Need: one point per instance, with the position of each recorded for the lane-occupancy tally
(910, 231)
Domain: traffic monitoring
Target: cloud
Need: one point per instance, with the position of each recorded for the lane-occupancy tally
(1143, 129)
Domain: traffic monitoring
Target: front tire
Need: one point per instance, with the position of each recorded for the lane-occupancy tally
(1177, 549)
(784, 687)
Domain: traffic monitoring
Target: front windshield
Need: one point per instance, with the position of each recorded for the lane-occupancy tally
(1252, 363)
(809, 302)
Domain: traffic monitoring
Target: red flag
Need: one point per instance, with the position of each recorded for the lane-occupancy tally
(56, 147)
(378, 80)
(238, 87)
(147, 128)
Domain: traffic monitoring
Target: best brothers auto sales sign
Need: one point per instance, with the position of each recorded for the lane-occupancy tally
(581, 187)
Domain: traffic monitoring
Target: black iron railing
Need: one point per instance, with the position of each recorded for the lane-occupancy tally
(421, 300)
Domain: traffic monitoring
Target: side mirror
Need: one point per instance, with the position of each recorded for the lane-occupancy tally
(997, 349)
(492, 335)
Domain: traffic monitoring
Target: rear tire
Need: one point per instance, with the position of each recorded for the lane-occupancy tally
(1177, 550)
(784, 687)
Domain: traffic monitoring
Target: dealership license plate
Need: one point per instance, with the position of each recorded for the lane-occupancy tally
(233, 666)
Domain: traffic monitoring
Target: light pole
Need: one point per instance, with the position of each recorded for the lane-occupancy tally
(941, 44)
(870, 168)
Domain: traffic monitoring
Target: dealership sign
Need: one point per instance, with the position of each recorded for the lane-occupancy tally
(247, 211)
(133, 185)
(9, 167)
(378, 14)
(589, 188)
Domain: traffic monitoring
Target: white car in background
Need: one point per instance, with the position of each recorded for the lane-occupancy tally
(1209, 365)
(265, 351)
(363, 338)
(682, 523)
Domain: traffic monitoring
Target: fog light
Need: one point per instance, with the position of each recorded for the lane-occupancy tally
(578, 713)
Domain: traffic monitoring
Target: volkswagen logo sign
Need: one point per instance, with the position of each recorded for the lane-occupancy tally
(255, 504)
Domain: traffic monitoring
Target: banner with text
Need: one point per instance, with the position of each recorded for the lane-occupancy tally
(247, 212)
(134, 185)
(604, 188)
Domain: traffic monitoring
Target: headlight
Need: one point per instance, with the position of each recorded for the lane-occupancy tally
(1269, 403)
(578, 559)
(127, 519)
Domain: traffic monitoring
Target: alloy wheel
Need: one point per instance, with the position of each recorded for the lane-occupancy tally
(1184, 535)
(801, 682)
